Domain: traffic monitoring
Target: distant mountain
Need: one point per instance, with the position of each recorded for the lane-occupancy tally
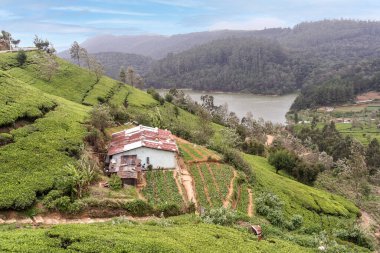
(113, 61)
(275, 61)
(158, 46)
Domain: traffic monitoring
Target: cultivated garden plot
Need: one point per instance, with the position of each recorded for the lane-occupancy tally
(161, 188)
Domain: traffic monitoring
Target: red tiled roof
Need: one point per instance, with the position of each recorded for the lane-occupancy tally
(142, 136)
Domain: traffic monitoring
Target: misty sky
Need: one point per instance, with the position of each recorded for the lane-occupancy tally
(62, 22)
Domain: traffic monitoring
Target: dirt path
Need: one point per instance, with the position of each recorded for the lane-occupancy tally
(175, 175)
(235, 202)
(227, 201)
(366, 220)
(187, 182)
(204, 185)
(270, 139)
(55, 219)
(250, 204)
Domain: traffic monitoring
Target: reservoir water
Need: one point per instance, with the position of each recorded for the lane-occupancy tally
(270, 108)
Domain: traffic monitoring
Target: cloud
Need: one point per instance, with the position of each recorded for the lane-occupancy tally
(177, 3)
(98, 10)
(7, 15)
(249, 24)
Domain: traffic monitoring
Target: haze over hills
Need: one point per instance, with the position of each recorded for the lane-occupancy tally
(269, 61)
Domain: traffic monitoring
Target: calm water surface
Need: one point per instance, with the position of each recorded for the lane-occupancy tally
(270, 108)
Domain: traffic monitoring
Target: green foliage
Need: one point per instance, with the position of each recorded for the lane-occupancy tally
(100, 117)
(355, 235)
(315, 206)
(127, 236)
(101, 91)
(220, 216)
(161, 189)
(5, 138)
(282, 160)
(22, 174)
(21, 57)
(138, 207)
(169, 209)
(115, 182)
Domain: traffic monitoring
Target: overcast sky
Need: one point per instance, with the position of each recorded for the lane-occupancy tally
(62, 22)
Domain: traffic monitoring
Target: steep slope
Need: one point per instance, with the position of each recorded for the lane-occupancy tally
(320, 209)
(122, 235)
(38, 152)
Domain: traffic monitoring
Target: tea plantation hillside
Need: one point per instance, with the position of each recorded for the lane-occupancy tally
(35, 154)
(43, 127)
(319, 209)
(169, 235)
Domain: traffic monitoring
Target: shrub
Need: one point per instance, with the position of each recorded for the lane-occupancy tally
(21, 57)
(115, 182)
(276, 217)
(100, 117)
(220, 216)
(354, 235)
(169, 97)
(119, 113)
(138, 207)
(50, 197)
(235, 159)
(295, 222)
(5, 138)
(169, 210)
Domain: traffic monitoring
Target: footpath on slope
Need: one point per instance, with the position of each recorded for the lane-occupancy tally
(55, 219)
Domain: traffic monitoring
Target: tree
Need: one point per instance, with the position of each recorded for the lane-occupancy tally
(357, 169)
(100, 117)
(96, 68)
(21, 57)
(282, 160)
(131, 75)
(83, 55)
(373, 156)
(43, 45)
(139, 81)
(75, 52)
(123, 75)
(6, 37)
(48, 66)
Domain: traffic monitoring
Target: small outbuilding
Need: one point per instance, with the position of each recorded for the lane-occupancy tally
(140, 148)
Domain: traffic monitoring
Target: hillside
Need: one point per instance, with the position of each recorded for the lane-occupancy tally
(45, 125)
(113, 61)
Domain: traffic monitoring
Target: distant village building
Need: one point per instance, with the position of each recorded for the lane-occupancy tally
(140, 148)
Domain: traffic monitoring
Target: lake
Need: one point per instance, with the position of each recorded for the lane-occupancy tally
(270, 108)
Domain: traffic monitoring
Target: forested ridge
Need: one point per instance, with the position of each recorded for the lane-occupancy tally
(335, 59)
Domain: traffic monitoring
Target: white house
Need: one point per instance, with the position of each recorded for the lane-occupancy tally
(139, 148)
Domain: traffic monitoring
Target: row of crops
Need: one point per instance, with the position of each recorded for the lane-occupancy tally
(39, 151)
(192, 152)
(212, 182)
(161, 188)
(20, 101)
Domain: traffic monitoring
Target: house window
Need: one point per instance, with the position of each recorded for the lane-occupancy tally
(147, 160)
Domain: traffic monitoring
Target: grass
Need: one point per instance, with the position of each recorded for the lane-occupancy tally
(119, 96)
(101, 91)
(364, 135)
(182, 234)
(318, 208)
(162, 189)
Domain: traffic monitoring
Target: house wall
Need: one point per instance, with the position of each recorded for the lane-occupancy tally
(158, 158)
